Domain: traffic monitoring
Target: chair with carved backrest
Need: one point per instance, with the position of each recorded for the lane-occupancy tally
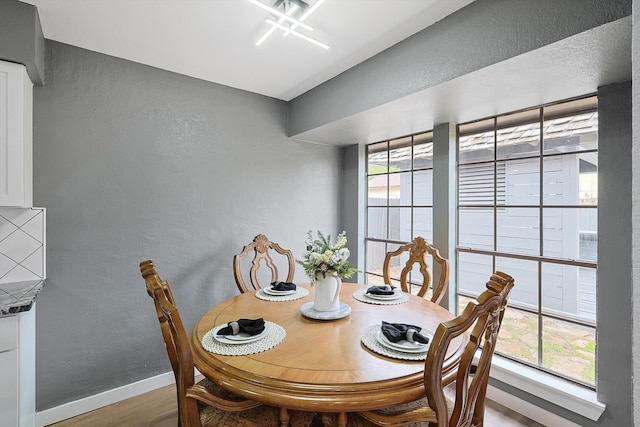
(481, 319)
(206, 404)
(261, 247)
(418, 250)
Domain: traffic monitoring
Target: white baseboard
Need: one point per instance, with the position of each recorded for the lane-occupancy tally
(527, 409)
(87, 404)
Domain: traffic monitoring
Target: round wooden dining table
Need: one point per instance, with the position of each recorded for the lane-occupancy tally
(321, 365)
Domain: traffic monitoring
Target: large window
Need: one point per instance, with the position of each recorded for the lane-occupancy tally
(399, 199)
(527, 205)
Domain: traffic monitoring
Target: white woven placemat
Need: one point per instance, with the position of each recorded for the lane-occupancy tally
(360, 296)
(299, 293)
(369, 340)
(274, 336)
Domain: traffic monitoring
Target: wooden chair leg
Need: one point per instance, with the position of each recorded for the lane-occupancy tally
(342, 419)
(284, 417)
(478, 411)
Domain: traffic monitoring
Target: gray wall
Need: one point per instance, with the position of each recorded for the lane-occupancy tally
(477, 36)
(132, 163)
(444, 182)
(613, 295)
(353, 205)
(635, 209)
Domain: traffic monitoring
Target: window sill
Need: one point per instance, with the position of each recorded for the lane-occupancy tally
(557, 391)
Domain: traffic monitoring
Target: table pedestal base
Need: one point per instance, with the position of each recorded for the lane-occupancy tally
(284, 417)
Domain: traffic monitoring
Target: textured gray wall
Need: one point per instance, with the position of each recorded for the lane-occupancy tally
(635, 209)
(444, 202)
(353, 204)
(132, 163)
(614, 308)
(452, 47)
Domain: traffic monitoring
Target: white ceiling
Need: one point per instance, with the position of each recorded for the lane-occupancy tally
(214, 40)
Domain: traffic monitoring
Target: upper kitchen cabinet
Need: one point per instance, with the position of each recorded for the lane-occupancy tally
(16, 136)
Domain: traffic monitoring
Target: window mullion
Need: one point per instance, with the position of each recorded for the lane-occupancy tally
(495, 190)
(541, 234)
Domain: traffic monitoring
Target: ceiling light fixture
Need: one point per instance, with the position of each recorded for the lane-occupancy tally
(286, 21)
(272, 28)
(297, 34)
(308, 12)
(281, 15)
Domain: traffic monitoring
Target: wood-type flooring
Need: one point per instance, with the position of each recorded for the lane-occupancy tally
(158, 409)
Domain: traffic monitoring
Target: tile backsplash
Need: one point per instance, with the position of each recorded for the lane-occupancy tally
(22, 244)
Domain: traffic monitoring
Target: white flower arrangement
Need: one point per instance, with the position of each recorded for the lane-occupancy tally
(322, 260)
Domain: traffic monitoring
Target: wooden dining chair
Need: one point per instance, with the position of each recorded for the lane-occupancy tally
(261, 248)
(418, 250)
(481, 319)
(206, 404)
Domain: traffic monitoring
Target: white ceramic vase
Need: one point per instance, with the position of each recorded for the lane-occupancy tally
(327, 293)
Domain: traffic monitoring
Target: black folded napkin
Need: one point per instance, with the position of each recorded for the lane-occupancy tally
(395, 332)
(381, 290)
(283, 286)
(250, 326)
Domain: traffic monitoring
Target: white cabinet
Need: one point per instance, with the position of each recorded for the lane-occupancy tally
(16, 136)
(9, 390)
(9, 370)
(17, 369)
